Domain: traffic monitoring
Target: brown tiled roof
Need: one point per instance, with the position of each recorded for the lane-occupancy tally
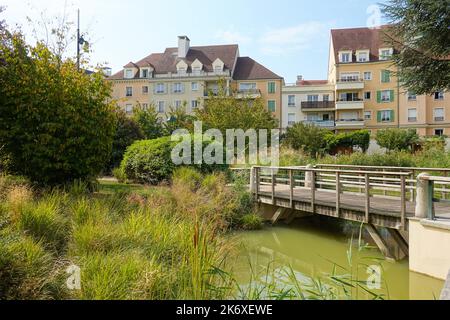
(249, 69)
(166, 62)
(311, 82)
(359, 39)
(130, 65)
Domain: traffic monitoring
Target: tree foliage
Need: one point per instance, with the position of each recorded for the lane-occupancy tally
(55, 125)
(178, 118)
(397, 139)
(224, 112)
(420, 32)
(147, 119)
(308, 138)
(127, 132)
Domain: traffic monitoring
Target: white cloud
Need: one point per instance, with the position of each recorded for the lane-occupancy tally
(232, 36)
(289, 40)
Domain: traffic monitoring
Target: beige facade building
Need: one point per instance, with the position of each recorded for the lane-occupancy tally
(184, 76)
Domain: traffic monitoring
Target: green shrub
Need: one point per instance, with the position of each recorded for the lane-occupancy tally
(127, 132)
(188, 177)
(55, 124)
(148, 122)
(119, 174)
(308, 138)
(397, 139)
(251, 221)
(355, 139)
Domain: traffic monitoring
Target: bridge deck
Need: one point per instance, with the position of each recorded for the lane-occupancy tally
(380, 205)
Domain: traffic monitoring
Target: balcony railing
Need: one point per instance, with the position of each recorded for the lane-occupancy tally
(439, 119)
(412, 119)
(350, 122)
(350, 100)
(318, 105)
(249, 92)
(350, 80)
(321, 123)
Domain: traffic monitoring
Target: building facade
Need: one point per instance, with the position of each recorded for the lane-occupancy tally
(185, 76)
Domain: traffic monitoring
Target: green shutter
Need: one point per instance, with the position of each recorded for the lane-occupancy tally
(379, 96)
(392, 116)
(271, 87)
(379, 116)
(392, 95)
(385, 76)
(271, 105)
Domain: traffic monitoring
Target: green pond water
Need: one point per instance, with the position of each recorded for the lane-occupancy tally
(312, 247)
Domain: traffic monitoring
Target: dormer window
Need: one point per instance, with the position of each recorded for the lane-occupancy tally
(362, 56)
(197, 67)
(128, 73)
(345, 56)
(145, 73)
(182, 67)
(386, 53)
(218, 66)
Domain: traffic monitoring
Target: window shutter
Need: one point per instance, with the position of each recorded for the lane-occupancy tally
(392, 95)
(392, 116)
(379, 96)
(379, 116)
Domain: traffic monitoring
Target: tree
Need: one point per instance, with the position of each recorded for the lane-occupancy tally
(178, 118)
(419, 31)
(147, 119)
(397, 139)
(55, 123)
(308, 138)
(224, 112)
(127, 132)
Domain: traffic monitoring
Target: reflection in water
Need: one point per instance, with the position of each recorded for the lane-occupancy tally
(312, 247)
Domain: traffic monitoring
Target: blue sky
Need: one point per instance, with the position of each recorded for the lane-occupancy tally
(289, 37)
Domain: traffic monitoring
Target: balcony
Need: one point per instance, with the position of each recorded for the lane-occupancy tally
(201, 74)
(350, 84)
(248, 94)
(318, 106)
(321, 123)
(353, 104)
(350, 123)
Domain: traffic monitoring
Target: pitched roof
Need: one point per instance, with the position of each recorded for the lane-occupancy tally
(249, 69)
(359, 39)
(166, 62)
(312, 82)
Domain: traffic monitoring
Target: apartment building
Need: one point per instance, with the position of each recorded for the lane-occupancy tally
(309, 101)
(185, 76)
(369, 95)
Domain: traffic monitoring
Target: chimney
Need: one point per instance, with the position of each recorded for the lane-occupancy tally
(107, 71)
(183, 46)
(299, 78)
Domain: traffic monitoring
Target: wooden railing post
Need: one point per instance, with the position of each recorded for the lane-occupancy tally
(413, 191)
(273, 186)
(313, 191)
(258, 181)
(430, 202)
(338, 194)
(367, 180)
(291, 188)
(403, 201)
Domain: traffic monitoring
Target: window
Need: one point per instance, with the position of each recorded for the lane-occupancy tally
(439, 114)
(194, 86)
(412, 96)
(385, 96)
(129, 108)
(363, 56)
(348, 77)
(386, 53)
(412, 115)
(218, 69)
(367, 75)
(326, 97)
(129, 92)
(194, 104)
(160, 88)
(385, 116)
(247, 86)
(145, 90)
(352, 96)
(272, 105)
(177, 104)
(439, 95)
(161, 106)
(385, 76)
(128, 73)
(272, 87)
(291, 100)
(197, 70)
(367, 115)
(313, 98)
(178, 88)
(345, 57)
(291, 119)
(367, 95)
(144, 73)
(439, 132)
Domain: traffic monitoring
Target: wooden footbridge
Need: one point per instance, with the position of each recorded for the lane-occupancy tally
(376, 196)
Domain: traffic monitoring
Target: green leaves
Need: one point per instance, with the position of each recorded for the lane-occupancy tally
(397, 139)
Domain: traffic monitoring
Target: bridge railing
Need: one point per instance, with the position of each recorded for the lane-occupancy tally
(426, 200)
(368, 184)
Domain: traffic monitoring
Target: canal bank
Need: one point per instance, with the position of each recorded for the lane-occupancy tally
(318, 248)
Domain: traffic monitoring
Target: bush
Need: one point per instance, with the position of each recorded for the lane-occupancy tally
(127, 132)
(397, 139)
(356, 139)
(308, 138)
(119, 174)
(55, 123)
(251, 222)
(147, 120)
